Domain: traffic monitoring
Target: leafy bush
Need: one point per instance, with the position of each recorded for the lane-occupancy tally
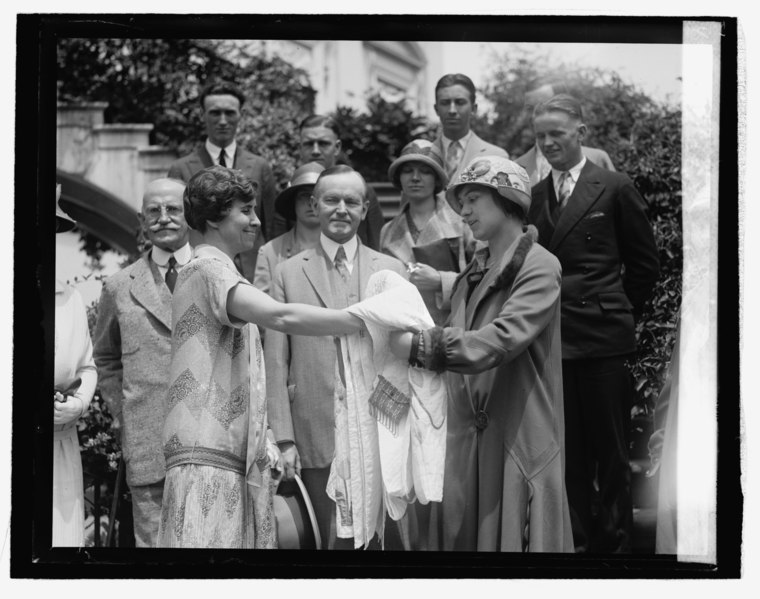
(373, 139)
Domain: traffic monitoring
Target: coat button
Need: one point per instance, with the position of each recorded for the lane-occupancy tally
(588, 236)
(481, 420)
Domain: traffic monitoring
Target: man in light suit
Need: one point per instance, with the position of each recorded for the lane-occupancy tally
(595, 222)
(301, 370)
(222, 103)
(132, 349)
(455, 104)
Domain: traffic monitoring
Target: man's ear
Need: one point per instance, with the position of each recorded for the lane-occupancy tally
(474, 107)
(582, 130)
(338, 146)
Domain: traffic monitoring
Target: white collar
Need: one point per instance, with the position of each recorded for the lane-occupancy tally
(575, 171)
(330, 247)
(214, 151)
(182, 255)
(462, 141)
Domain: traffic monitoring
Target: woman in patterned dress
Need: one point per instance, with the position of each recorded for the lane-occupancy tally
(427, 225)
(222, 465)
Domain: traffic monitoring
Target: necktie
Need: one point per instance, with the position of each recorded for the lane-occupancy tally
(340, 263)
(453, 156)
(222, 161)
(563, 190)
(171, 274)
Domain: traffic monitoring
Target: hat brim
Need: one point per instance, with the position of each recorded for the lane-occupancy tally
(443, 180)
(517, 197)
(285, 203)
(297, 526)
(63, 221)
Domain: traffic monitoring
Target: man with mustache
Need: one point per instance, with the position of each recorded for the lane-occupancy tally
(301, 370)
(132, 348)
(222, 104)
(455, 105)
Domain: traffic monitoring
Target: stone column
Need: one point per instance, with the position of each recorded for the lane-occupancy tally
(75, 145)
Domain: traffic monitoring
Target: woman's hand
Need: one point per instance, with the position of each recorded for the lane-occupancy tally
(275, 461)
(68, 410)
(424, 277)
(400, 343)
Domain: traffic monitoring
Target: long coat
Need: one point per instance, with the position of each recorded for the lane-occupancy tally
(132, 351)
(301, 370)
(608, 254)
(258, 171)
(504, 476)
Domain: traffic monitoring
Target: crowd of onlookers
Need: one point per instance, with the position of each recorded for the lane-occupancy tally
(453, 379)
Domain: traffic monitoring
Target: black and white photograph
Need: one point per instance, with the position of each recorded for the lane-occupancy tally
(454, 296)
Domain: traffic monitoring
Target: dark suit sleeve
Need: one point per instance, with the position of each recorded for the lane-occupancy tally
(107, 351)
(177, 172)
(638, 249)
(268, 192)
(370, 227)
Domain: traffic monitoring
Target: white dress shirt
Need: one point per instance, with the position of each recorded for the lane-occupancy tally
(575, 172)
(446, 142)
(331, 248)
(215, 151)
(161, 258)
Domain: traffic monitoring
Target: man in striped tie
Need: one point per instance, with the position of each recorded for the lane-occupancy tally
(455, 105)
(132, 349)
(596, 223)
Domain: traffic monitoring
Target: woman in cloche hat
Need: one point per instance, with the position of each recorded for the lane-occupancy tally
(74, 379)
(427, 235)
(504, 486)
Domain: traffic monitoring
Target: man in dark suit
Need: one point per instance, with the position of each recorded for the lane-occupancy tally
(132, 349)
(455, 105)
(319, 142)
(595, 222)
(221, 103)
(301, 370)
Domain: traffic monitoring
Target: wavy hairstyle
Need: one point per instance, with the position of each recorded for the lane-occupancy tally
(210, 193)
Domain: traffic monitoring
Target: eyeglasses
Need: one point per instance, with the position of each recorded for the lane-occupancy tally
(154, 213)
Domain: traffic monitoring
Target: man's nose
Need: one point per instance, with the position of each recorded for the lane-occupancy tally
(315, 148)
(163, 215)
(452, 108)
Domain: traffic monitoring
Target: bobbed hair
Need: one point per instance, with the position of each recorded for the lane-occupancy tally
(210, 193)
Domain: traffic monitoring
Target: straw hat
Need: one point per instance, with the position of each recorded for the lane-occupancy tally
(304, 176)
(507, 178)
(296, 522)
(424, 151)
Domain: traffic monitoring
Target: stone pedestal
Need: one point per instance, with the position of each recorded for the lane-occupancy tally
(75, 144)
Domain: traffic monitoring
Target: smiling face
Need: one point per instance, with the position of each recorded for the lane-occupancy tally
(559, 135)
(480, 211)
(163, 215)
(319, 144)
(454, 107)
(417, 181)
(221, 115)
(340, 205)
(239, 228)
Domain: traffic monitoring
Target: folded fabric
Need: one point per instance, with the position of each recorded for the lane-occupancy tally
(412, 444)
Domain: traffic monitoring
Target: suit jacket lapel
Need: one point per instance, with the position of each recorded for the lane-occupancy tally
(367, 265)
(151, 292)
(316, 267)
(204, 157)
(586, 193)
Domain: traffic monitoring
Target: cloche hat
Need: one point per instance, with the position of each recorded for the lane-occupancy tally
(305, 175)
(507, 178)
(424, 151)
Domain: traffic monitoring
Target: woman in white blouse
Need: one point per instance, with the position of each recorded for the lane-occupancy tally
(75, 379)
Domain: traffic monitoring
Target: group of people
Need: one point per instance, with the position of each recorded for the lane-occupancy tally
(232, 354)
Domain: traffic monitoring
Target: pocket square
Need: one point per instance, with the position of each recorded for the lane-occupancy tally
(596, 214)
